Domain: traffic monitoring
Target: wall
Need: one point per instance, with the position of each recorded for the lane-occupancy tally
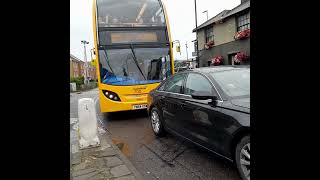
(71, 68)
(224, 32)
(224, 50)
(92, 72)
(201, 39)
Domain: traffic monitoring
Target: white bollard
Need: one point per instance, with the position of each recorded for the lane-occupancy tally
(73, 87)
(88, 129)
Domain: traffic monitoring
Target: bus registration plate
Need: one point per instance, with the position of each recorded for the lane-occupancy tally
(140, 106)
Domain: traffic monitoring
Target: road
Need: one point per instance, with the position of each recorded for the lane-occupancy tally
(157, 158)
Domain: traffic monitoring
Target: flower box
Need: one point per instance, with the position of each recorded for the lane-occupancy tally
(242, 34)
(217, 60)
(209, 45)
(240, 56)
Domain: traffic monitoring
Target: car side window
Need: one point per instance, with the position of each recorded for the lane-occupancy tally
(161, 88)
(175, 84)
(197, 82)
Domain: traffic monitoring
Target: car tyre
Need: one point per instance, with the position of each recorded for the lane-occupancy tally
(156, 122)
(243, 157)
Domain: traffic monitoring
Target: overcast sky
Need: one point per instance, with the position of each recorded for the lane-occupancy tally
(181, 18)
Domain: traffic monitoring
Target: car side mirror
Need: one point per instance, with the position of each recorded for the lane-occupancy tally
(203, 95)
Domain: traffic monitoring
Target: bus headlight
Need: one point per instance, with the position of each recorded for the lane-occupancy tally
(111, 95)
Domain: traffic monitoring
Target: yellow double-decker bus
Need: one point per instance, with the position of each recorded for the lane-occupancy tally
(133, 51)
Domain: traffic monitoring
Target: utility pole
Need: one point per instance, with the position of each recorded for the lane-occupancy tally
(195, 9)
(84, 42)
(187, 50)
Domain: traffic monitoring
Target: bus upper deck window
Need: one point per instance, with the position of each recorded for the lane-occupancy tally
(137, 13)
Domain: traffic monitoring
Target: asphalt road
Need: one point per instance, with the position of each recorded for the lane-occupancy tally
(157, 158)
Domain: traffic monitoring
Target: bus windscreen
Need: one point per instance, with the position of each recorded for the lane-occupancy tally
(134, 66)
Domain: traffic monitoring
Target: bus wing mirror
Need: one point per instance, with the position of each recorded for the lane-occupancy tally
(178, 48)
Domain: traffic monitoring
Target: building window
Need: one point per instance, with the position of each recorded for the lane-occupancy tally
(209, 34)
(243, 22)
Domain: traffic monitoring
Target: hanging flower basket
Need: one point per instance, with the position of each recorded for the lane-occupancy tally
(217, 60)
(241, 56)
(209, 45)
(242, 34)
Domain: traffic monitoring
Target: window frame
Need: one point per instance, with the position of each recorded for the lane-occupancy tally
(211, 84)
(206, 33)
(238, 21)
(170, 79)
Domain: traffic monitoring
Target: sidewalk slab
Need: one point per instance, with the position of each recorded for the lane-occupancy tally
(103, 162)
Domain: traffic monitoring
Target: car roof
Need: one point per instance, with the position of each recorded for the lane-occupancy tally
(218, 68)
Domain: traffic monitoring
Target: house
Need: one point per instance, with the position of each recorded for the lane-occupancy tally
(77, 68)
(226, 34)
(92, 71)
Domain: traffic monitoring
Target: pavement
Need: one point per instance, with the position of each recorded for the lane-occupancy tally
(102, 162)
(165, 158)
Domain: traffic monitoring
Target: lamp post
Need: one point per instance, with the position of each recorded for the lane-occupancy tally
(206, 11)
(84, 42)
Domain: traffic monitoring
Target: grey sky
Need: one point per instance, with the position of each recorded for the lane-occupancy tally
(181, 19)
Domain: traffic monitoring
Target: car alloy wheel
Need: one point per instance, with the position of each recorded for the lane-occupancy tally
(245, 160)
(155, 121)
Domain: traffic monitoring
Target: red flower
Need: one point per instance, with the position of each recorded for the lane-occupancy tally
(242, 34)
(240, 56)
(217, 60)
(209, 45)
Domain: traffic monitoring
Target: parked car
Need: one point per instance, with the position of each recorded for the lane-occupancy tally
(209, 107)
(180, 69)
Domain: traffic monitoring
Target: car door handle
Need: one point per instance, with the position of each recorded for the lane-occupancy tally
(182, 105)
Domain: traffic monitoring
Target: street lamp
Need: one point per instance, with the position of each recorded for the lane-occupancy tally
(206, 11)
(84, 42)
(195, 10)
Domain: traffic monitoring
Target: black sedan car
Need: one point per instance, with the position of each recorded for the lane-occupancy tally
(209, 107)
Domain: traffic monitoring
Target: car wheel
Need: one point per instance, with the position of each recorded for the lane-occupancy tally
(156, 122)
(243, 157)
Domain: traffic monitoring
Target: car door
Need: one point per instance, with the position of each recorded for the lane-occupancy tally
(171, 101)
(199, 115)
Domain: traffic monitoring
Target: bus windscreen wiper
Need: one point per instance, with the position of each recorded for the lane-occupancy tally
(136, 62)
(107, 59)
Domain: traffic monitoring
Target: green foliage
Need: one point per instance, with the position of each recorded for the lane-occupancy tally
(78, 80)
